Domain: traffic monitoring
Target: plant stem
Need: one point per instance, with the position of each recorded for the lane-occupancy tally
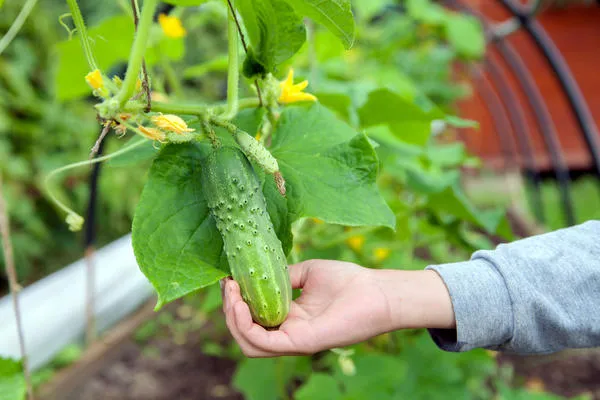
(83, 35)
(135, 8)
(179, 108)
(57, 171)
(16, 25)
(11, 272)
(233, 70)
(190, 109)
(137, 52)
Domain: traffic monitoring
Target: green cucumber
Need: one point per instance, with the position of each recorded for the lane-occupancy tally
(253, 250)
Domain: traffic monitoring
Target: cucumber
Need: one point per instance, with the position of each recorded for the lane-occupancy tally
(253, 250)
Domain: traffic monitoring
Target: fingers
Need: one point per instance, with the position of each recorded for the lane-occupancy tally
(253, 339)
(232, 297)
(299, 273)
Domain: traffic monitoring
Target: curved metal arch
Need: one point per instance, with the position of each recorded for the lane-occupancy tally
(541, 112)
(564, 75)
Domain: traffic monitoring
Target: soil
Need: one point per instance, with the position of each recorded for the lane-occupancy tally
(569, 373)
(169, 372)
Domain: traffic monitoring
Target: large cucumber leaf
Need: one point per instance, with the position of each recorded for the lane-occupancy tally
(406, 120)
(330, 170)
(275, 34)
(175, 240)
(335, 15)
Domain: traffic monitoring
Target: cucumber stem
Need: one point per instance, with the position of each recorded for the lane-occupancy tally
(83, 35)
(233, 70)
(137, 51)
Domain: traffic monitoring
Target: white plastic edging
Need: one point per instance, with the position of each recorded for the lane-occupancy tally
(53, 308)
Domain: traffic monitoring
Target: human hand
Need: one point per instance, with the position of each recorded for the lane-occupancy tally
(341, 303)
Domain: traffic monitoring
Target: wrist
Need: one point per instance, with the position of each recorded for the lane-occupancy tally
(415, 299)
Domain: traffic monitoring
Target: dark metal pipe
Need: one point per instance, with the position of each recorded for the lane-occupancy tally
(541, 112)
(515, 112)
(545, 123)
(499, 118)
(565, 77)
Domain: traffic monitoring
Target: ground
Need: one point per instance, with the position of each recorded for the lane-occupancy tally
(168, 371)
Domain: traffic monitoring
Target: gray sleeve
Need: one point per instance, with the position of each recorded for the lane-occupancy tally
(536, 295)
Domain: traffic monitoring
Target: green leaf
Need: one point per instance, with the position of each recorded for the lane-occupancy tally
(175, 240)
(12, 380)
(426, 11)
(185, 3)
(428, 182)
(275, 33)
(406, 120)
(453, 201)
(339, 103)
(465, 34)
(335, 15)
(319, 387)
(268, 378)
(377, 375)
(366, 10)
(330, 170)
(447, 155)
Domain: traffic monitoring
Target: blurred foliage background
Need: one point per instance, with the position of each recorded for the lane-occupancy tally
(417, 50)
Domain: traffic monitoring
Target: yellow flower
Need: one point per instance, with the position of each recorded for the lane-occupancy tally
(356, 242)
(94, 79)
(258, 135)
(381, 253)
(152, 133)
(291, 93)
(171, 26)
(171, 123)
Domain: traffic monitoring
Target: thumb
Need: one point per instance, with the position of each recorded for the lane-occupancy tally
(300, 272)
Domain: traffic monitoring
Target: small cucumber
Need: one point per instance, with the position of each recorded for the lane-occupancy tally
(253, 250)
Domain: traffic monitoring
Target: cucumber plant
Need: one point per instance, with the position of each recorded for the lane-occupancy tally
(218, 201)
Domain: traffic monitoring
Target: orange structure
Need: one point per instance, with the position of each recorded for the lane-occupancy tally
(575, 30)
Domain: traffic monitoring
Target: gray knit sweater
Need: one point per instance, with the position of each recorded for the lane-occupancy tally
(536, 295)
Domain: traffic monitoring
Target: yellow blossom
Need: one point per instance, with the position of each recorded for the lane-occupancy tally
(356, 242)
(171, 26)
(258, 135)
(317, 220)
(171, 123)
(94, 79)
(381, 253)
(152, 133)
(291, 93)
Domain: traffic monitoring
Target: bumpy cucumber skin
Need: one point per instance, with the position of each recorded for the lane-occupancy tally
(254, 252)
